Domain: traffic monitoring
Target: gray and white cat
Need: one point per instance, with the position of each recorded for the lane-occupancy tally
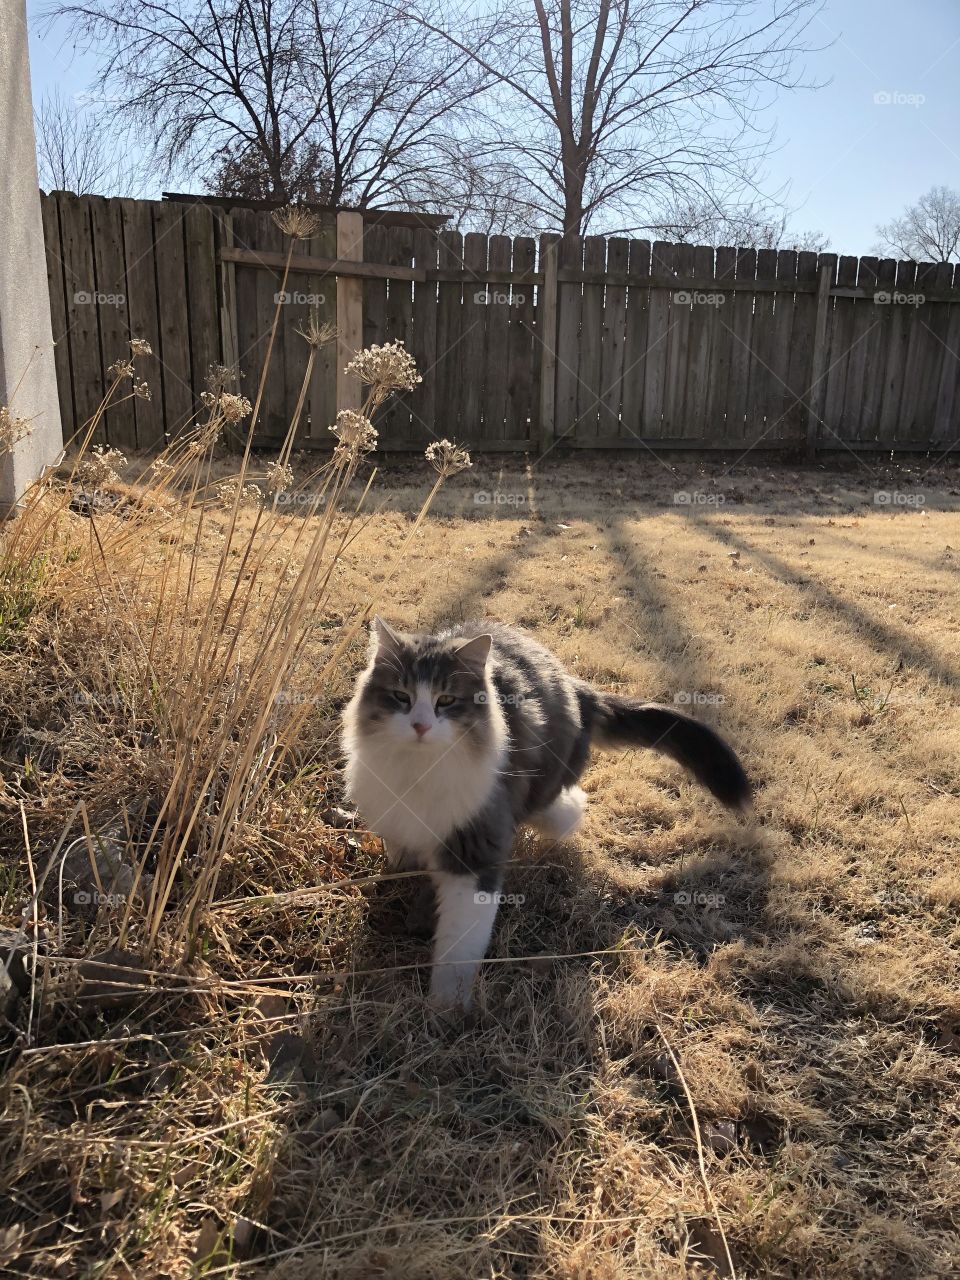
(453, 740)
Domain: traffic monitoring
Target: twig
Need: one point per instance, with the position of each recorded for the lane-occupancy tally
(35, 921)
(702, 1162)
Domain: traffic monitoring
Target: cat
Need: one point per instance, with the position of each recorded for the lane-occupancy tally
(453, 740)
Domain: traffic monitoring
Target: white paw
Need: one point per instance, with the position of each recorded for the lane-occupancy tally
(447, 994)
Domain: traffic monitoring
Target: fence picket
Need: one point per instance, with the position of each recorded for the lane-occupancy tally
(632, 422)
(524, 354)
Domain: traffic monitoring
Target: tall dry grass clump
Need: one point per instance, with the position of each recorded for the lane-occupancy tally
(156, 615)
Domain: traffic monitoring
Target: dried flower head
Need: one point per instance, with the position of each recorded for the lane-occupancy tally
(232, 408)
(101, 467)
(141, 347)
(219, 377)
(297, 221)
(279, 477)
(121, 369)
(354, 431)
(159, 468)
(317, 334)
(250, 494)
(390, 367)
(447, 458)
(141, 390)
(12, 429)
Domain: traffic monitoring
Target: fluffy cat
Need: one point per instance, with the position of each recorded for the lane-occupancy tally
(453, 740)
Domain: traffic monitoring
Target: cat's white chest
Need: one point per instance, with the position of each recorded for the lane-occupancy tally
(415, 800)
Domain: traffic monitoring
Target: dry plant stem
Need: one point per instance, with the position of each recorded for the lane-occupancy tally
(700, 1159)
(287, 447)
(273, 657)
(186, 784)
(34, 921)
(259, 400)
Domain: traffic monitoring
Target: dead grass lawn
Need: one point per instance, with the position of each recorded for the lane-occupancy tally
(285, 1110)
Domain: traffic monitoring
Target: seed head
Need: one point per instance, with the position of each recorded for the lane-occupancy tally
(250, 494)
(229, 406)
(101, 467)
(354, 431)
(317, 334)
(12, 429)
(390, 367)
(296, 221)
(447, 458)
(279, 477)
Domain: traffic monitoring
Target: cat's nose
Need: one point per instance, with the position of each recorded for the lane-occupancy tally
(420, 728)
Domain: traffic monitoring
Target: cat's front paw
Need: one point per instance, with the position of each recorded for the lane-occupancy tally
(447, 997)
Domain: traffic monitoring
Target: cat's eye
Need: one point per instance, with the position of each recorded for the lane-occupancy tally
(401, 696)
(446, 700)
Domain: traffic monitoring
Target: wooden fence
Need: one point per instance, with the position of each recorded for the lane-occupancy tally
(523, 344)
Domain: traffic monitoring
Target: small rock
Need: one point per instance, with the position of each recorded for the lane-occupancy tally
(664, 1069)
(209, 1248)
(16, 949)
(721, 1136)
(9, 995)
(242, 1234)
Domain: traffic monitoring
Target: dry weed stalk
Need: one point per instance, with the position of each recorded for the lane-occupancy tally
(209, 644)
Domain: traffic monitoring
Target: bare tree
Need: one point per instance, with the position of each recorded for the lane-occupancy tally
(605, 107)
(928, 231)
(750, 225)
(74, 153)
(289, 98)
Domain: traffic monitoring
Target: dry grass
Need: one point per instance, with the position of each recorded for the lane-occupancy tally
(279, 1105)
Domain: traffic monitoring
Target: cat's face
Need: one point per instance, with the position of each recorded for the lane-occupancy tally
(424, 694)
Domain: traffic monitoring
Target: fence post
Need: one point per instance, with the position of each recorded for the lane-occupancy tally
(548, 341)
(28, 380)
(818, 370)
(349, 309)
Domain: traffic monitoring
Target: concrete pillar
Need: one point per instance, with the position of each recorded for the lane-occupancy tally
(28, 381)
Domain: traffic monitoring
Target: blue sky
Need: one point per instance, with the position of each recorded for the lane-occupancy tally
(849, 160)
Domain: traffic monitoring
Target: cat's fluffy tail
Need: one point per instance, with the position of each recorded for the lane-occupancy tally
(623, 722)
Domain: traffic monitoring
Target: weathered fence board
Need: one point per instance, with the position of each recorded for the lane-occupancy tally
(523, 358)
(588, 343)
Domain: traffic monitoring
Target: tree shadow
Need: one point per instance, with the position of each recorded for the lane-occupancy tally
(866, 626)
(422, 1114)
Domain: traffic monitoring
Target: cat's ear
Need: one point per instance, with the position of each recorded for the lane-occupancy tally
(474, 653)
(383, 639)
